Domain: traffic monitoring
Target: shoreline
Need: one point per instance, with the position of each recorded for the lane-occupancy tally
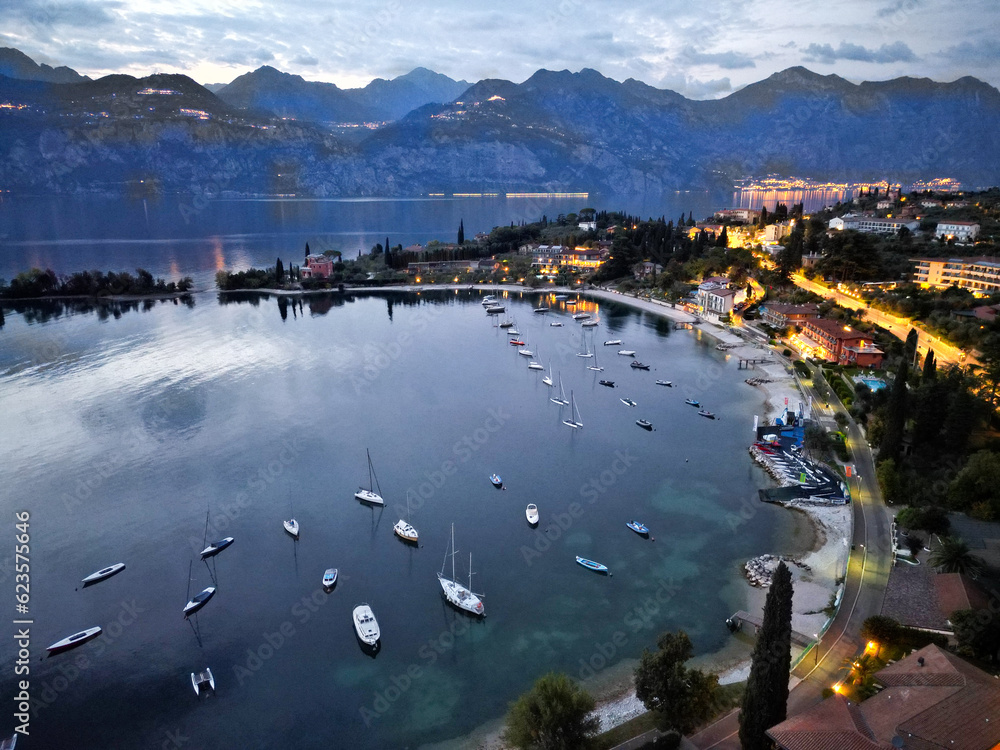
(819, 563)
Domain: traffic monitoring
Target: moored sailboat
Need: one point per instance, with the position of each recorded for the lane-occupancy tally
(369, 495)
(455, 593)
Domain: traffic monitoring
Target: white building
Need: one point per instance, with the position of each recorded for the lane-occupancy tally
(958, 230)
(872, 224)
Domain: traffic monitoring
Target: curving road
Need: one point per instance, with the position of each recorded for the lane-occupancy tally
(867, 575)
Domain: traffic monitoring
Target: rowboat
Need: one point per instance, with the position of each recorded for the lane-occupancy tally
(637, 365)
(497, 481)
(691, 402)
(638, 528)
(644, 424)
(706, 413)
(591, 565)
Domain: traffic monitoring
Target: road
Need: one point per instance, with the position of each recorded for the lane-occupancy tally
(898, 327)
(867, 574)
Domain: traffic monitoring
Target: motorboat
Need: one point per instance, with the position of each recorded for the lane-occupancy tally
(526, 352)
(497, 481)
(555, 324)
(627, 352)
(72, 641)
(706, 413)
(216, 547)
(561, 297)
(455, 593)
(330, 578)
(516, 342)
(488, 300)
(531, 513)
(366, 626)
(541, 309)
(691, 402)
(199, 601)
(203, 682)
(403, 528)
(627, 401)
(591, 565)
(507, 324)
(103, 573)
(292, 527)
(613, 342)
(535, 366)
(638, 528)
(581, 316)
(637, 365)
(495, 309)
(586, 355)
(571, 301)
(513, 332)
(644, 424)
(590, 323)
(665, 382)
(368, 495)
(608, 383)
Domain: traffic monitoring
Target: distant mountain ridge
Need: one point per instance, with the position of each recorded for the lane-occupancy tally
(271, 132)
(16, 64)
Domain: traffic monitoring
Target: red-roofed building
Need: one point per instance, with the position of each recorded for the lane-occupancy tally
(835, 342)
(932, 700)
(782, 315)
(317, 267)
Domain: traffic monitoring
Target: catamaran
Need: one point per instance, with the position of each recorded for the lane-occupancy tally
(369, 495)
(455, 593)
(575, 420)
(562, 395)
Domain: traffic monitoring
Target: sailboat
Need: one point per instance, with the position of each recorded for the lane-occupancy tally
(369, 495)
(562, 395)
(458, 595)
(548, 378)
(586, 354)
(594, 366)
(575, 421)
(403, 529)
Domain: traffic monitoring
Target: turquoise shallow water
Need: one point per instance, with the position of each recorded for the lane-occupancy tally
(121, 432)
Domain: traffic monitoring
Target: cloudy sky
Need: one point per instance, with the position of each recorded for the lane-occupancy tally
(701, 49)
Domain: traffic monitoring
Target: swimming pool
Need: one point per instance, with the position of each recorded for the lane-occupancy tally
(875, 384)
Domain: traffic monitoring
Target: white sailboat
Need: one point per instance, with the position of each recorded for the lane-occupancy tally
(403, 529)
(586, 354)
(458, 595)
(369, 495)
(594, 366)
(575, 420)
(548, 378)
(562, 395)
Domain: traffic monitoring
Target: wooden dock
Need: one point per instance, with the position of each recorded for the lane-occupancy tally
(741, 618)
(746, 364)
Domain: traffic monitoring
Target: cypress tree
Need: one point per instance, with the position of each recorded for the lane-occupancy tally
(279, 271)
(895, 419)
(461, 232)
(930, 366)
(765, 701)
(307, 250)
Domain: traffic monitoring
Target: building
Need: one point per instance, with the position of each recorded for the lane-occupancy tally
(588, 226)
(873, 224)
(931, 700)
(979, 275)
(744, 215)
(646, 268)
(450, 266)
(832, 341)
(550, 259)
(317, 267)
(960, 231)
(883, 205)
(782, 315)
(709, 229)
(774, 232)
(715, 296)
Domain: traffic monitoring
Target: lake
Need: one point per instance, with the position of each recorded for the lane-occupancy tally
(124, 432)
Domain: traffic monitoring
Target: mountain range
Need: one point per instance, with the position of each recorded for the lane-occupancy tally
(272, 132)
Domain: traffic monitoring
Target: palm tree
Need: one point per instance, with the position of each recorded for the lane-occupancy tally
(953, 556)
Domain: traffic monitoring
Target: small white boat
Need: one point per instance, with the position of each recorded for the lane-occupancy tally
(665, 382)
(366, 626)
(644, 424)
(526, 352)
(103, 573)
(627, 401)
(590, 324)
(403, 529)
(292, 527)
(581, 316)
(541, 309)
(613, 342)
(561, 297)
(199, 601)
(77, 639)
(627, 352)
(555, 324)
(203, 682)
(548, 378)
(330, 578)
(591, 565)
(495, 309)
(531, 513)
(535, 366)
(216, 547)
(571, 301)
(369, 495)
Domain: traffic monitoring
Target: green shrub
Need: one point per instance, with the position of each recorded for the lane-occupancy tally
(802, 368)
(786, 352)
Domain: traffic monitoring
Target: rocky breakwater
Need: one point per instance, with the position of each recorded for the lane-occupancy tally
(760, 570)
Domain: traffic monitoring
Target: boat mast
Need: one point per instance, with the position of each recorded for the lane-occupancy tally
(453, 552)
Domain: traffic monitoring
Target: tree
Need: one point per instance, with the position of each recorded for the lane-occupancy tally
(932, 519)
(890, 482)
(279, 271)
(977, 633)
(765, 701)
(930, 366)
(307, 250)
(895, 422)
(879, 629)
(461, 232)
(953, 556)
(682, 697)
(978, 484)
(553, 715)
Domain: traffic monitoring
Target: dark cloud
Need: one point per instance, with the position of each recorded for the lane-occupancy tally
(981, 52)
(726, 60)
(48, 14)
(305, 60)
(898, 7)
(887, 53)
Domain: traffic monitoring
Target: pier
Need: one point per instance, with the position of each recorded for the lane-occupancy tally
(741, 618)
(746, 364)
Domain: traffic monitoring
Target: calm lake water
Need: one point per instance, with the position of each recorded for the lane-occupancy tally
(122, 431)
